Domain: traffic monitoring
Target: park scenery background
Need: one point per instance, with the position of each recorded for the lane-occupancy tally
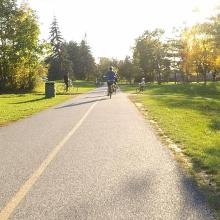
(182, 73)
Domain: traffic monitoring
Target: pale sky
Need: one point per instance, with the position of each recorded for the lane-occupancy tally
(113, 25)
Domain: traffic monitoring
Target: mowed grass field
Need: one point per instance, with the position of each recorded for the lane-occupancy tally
(190, 116)
(17, 106)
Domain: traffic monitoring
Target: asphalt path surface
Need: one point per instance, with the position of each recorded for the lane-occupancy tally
(92, 158)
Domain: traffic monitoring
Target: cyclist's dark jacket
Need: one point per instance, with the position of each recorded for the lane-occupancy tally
(110, 75)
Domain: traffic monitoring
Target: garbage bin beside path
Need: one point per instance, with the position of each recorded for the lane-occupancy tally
(50, 89)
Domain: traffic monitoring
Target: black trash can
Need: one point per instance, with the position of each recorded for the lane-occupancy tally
(50, 90)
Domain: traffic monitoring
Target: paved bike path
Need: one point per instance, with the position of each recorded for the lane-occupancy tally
(111, 167)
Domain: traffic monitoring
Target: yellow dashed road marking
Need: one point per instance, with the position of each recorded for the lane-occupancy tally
(25, 188)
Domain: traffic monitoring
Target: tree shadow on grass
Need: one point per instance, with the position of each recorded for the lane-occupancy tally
(29, 101)
(200, 104)
(207, 159)
(210, 90)
(215, 124)
(4, 96)
(214, 153)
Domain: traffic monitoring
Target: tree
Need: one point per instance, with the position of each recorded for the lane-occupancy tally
(72, 49)
(103, 66)
(214, 30)
(148, 54)
(127, 70)
(186, 64)
(65, 61)
(202, 49)
(173, 53)
(87, 62)
(57, 57)
(20, 49)
(8, 10)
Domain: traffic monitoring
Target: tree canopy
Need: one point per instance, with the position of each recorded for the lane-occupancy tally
(192, 54)
(20, 49)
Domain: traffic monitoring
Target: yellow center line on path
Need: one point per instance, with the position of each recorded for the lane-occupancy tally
(25, 188)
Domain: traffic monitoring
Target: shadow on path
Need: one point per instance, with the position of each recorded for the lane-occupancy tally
(81, 103)
(127, 199)
(99, 91)
(139, 197)
(89, 97)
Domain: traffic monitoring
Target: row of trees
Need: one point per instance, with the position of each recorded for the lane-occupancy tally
(24, 59)
(69, 58)
(193, 54)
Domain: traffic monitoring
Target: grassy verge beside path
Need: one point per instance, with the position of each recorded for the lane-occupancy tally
(17, 106)
(190, 116)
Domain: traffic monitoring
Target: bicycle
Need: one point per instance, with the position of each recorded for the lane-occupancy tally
(114, 88)
(62, 88)
(140, 89)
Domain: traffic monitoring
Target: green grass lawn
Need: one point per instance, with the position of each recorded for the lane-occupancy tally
(17, 106)
(190, 116)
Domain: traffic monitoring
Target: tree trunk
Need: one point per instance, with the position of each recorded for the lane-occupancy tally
(175, 77)
(214, 76)
(205, 78)
(197, 77)
(159, 78)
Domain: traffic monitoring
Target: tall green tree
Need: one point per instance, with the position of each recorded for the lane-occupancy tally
(20, 49)
(197, 51)
(214, 30)
(74, 58)
(105, 63)
(173, 55)
(82, 61)
(8, 10)
(148, 54)
(127, 70)
(103, 66)
(57, 57)
(87, 62)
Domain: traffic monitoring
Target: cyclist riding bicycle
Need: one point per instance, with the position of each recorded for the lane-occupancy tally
(110, 78)
(142, 84)
(66, 81)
